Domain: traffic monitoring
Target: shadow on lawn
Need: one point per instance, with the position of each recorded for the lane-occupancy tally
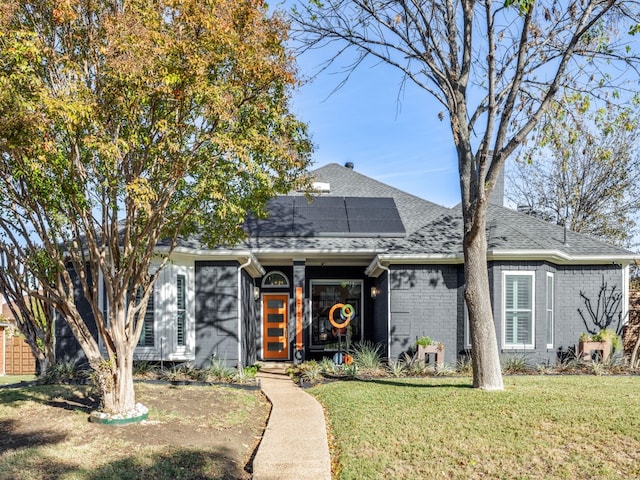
(10, 439)
(181, 463)
(185, 464)
(59, 396)
(431, 384)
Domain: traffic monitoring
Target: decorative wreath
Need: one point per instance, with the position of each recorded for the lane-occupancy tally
(346, 312)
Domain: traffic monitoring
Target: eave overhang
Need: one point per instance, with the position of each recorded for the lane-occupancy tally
(254, 267)
(376, 267)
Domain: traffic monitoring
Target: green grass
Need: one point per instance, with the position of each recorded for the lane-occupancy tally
(10, 379)
(552, 427)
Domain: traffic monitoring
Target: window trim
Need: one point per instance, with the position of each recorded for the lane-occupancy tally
(550, 325)
(180, 276)
(170, 321)
(518, 346)
(274, 273)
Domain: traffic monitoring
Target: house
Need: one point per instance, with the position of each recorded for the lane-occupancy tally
(366, 261)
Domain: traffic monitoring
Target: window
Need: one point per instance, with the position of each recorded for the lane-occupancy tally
(518, 309)
(168, 329)
(181, 301)
(147, 337)
(325, 295)
(550, 310)
(275, 280)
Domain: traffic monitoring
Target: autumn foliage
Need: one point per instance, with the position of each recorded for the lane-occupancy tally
(126, 122)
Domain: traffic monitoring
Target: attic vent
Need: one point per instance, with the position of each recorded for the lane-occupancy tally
(321, 187)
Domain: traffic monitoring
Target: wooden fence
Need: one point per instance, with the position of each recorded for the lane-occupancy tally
(632, 329)
(18, 357)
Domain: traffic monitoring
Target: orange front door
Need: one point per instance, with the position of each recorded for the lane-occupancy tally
(275, 345)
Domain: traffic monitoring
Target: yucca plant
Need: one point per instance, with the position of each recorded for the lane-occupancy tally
(218, 370)
(397, 368)
(144, 368)
(515, 364)
(327, 366)
(311, 371)
(64, 372)
(464, 366)
(366, 355)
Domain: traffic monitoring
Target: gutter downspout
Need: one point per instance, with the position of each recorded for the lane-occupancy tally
(386, 269)
(240, 268)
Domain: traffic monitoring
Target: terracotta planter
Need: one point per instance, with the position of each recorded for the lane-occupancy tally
(436, 350)
(585, 350)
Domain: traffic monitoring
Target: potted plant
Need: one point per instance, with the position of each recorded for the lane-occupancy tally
(603, 342)
(425, 346)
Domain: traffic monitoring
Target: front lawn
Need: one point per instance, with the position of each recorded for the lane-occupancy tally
(551, 427)
(193, 432)
(11, 379)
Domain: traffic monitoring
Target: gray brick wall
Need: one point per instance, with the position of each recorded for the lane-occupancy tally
(67, 347)
(425, 301)
(378, 323)
(429, 300)
(569, 281)
(216, 311)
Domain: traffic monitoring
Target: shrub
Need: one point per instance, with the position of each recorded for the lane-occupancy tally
(311, 371)
(515, 364)
(65, 372)
(245, 375)
(608, 335)
(351, 371)
(366, 355)
(397, 368)
(218, 370)
(424, 341)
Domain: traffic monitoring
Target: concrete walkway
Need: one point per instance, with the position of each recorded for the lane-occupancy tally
(294, 445)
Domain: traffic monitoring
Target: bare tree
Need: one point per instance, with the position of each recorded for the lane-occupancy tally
(582, 169)
(494, 67)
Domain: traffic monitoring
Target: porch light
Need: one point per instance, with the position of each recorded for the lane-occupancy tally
(375, 291)
(256, 293)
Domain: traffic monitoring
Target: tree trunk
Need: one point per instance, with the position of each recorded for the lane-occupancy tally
(116, 384)
(634, 354)
(487, 374)
(114, 378)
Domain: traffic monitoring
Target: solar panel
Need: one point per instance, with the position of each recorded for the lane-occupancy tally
(328, 216)
(373, 215)
(323, 215)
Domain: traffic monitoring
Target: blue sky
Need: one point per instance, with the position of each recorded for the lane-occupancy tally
(398, 140)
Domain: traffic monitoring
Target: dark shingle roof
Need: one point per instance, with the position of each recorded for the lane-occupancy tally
(431, 229)
(507, 231)
(414, 211)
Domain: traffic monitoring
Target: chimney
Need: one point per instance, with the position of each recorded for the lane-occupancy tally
(497, 196)
(349, 165)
